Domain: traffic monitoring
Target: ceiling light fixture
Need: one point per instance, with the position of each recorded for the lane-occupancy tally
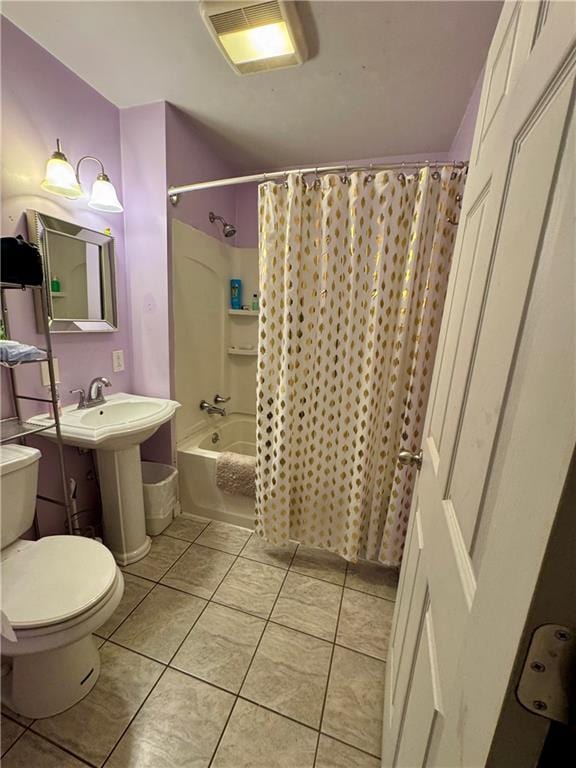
(256, 37)
(61, 179)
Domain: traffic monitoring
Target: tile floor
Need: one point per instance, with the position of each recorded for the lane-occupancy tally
(226, 652)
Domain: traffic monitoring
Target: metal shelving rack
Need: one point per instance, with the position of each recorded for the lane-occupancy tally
(14, 427)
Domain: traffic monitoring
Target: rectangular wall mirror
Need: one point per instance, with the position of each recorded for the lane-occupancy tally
(79, 272)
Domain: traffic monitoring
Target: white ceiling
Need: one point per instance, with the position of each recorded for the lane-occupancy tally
(385, 78)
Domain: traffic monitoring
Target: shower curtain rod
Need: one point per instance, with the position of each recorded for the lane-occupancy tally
(175, 192)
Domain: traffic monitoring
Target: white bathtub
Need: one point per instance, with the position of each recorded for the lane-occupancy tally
(199, 494)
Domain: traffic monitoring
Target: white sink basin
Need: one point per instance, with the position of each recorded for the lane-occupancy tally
(121, 422)
(115, 430)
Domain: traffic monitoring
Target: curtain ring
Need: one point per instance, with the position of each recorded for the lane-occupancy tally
(436, 176)
(317, 180)
(344, 178)
(451, 219)
(370, 176)
(402, 178)
(285, 182)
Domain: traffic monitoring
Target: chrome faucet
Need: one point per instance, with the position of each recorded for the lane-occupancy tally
(95, 394)
(82, 400)
(212, 409)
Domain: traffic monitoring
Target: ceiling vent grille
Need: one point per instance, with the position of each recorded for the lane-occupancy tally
(248, 33)
(245, 18)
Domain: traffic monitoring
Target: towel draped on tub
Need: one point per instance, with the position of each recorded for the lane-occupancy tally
(236, 473)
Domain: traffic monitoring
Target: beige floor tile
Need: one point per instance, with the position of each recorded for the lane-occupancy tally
(258, 738)
(135, 590)
(355, 700)
(178, 726)
(9, 733)
(223, 536)
(308, 604)
(31, 751)
(251, 587)
(289, 674)
(163, 554)
(160, 623)
(199, 571)
(334, 754)
(365, 623)
(187, 528)
(270, 554)
(373, 578)
(13, 716)
(220, 646)
(91, 728)
(320, 564)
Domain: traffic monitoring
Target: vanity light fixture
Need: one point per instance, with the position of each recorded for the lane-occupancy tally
(61, 179)
(257, 36)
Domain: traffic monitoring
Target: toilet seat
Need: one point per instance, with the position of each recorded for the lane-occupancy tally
(55, 579)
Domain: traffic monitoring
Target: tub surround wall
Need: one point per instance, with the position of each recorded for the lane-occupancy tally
(203, 330)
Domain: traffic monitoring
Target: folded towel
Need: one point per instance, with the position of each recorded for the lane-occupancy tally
(236, 474)
(12, 353)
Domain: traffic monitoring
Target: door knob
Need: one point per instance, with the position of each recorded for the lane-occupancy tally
(407, 458)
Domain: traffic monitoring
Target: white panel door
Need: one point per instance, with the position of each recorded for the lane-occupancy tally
(501, 424)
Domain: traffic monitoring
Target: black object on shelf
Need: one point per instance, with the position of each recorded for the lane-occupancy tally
(21, 263)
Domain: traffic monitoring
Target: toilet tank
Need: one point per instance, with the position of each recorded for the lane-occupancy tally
(18, 483)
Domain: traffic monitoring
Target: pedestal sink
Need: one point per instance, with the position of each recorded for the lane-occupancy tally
(115, 429)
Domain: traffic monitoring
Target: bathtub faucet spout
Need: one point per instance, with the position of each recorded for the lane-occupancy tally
(212, 409)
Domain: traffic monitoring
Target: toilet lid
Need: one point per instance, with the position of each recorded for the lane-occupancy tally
(54, 579)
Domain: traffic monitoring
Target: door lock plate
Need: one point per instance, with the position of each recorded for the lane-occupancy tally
(549, 673)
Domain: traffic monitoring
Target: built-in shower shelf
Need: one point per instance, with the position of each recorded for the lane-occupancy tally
(238, 351)
(243, 312)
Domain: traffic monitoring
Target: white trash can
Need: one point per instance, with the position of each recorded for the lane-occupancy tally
(160, 483)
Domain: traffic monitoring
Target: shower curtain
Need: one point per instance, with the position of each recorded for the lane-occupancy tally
(353, 275)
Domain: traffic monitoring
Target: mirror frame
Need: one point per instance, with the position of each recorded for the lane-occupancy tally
(39, 225)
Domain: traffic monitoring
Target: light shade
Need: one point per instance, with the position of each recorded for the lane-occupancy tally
(104, 197)
(258, 43)
(60, 178)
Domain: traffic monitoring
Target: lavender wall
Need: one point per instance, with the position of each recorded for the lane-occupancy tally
(144, 166)
(190, 157)
(461, 146)
(42, 100)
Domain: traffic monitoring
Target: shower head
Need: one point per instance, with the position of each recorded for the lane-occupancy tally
(228, 229)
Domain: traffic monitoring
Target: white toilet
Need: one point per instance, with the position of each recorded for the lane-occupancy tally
(55, 592)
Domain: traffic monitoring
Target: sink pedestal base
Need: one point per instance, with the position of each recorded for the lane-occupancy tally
(120, 475)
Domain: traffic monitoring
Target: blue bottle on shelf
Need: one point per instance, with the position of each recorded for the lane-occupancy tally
(236, 293)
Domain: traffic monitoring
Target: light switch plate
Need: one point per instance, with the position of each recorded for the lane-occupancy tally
(45, 373)
(118, 360)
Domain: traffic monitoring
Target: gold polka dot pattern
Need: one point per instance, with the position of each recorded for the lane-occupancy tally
(353, 276)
